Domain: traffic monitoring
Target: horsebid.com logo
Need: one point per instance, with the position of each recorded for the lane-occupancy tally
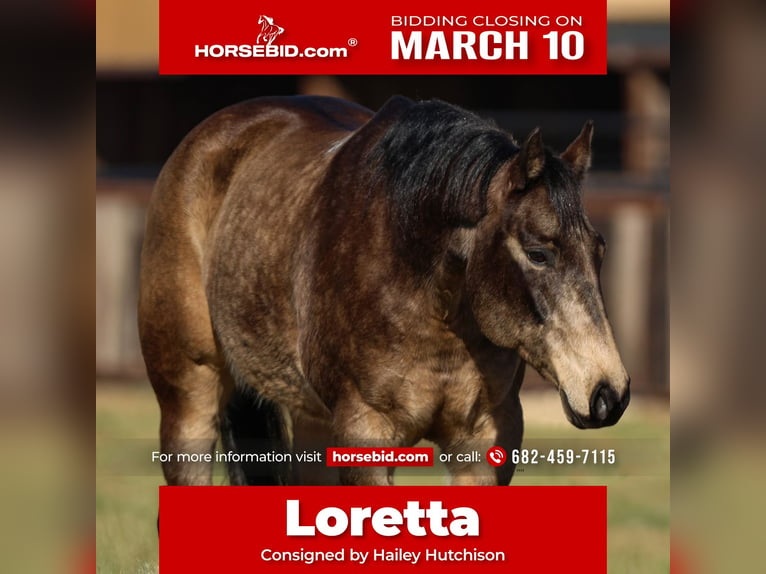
(265, 47)
(269, 30)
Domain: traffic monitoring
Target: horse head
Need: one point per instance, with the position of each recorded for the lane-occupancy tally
(532, 279)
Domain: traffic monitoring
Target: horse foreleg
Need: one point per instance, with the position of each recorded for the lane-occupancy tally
(308, 436)
(503, 426)
(510, 429)
(357, 424)
(509, 420)
(464, 442)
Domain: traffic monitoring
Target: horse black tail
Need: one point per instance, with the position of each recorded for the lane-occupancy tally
(254, 435)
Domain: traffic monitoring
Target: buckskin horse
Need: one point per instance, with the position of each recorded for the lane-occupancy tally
(377, 279)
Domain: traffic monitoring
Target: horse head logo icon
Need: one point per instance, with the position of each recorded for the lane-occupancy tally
(269, 30)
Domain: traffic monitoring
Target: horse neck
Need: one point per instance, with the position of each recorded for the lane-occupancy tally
(444, 274)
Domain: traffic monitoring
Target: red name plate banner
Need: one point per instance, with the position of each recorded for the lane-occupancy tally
(383, 529)
(394, 37)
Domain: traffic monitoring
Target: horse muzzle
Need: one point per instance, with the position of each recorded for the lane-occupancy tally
(606, 407)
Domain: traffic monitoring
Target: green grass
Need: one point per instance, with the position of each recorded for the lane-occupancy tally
(127, 419)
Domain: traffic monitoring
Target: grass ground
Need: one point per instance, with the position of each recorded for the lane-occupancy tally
(127, 419)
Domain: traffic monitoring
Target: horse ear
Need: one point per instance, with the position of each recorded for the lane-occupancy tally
(577, 154)
(530, 161)
(534, 155)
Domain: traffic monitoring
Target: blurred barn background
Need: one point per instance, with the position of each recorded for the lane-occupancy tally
(142, 117)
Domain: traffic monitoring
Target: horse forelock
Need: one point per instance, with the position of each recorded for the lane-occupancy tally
(564, 193)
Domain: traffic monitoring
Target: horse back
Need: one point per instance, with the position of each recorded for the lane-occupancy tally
(199, 173)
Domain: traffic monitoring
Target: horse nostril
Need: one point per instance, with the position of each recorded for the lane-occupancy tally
(602, 402)
(601, 408)
(606, 406)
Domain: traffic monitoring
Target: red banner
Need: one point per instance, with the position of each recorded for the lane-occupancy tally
(397, 37)
(409, 528)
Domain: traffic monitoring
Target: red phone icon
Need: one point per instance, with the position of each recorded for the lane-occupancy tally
(496, 456)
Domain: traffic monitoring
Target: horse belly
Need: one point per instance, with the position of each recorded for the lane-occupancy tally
(250, 281)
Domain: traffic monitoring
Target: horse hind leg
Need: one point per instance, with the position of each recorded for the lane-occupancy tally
(189, 421)
(183, 365)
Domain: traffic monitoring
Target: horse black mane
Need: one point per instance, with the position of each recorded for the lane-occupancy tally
(437, 161)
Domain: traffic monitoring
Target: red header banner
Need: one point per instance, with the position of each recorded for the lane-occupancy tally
(396, 37)
(383, 529)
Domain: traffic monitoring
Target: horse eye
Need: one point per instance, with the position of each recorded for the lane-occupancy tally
(540, 256)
